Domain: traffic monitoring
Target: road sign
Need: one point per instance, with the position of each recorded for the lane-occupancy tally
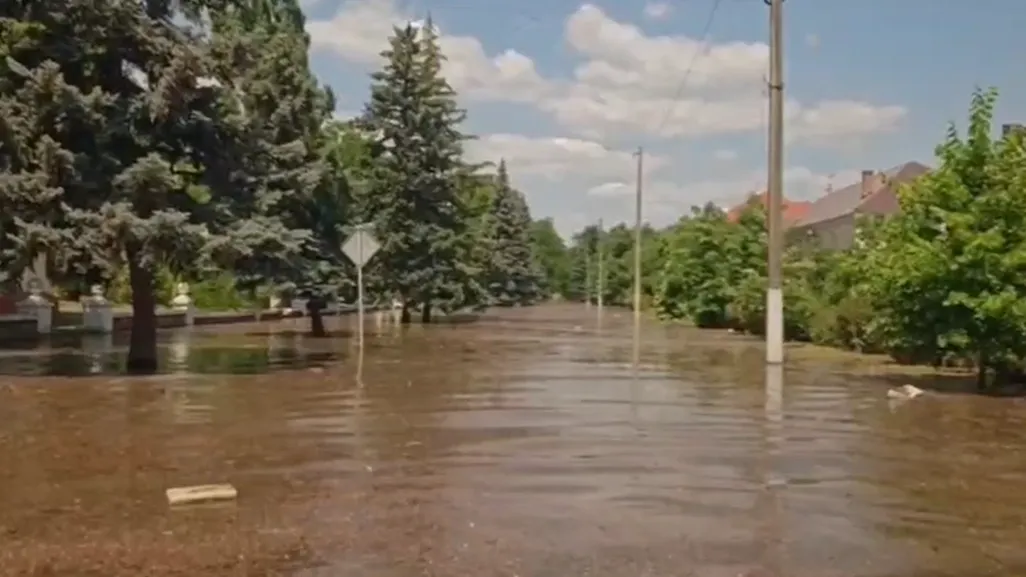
(361, 247)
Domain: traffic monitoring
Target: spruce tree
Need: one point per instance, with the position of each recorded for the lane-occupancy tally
(124, 145)
(413, 197)
(513, 276)
(265, 47)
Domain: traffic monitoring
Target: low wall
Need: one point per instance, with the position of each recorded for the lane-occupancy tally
(20, 327)
(17, 328)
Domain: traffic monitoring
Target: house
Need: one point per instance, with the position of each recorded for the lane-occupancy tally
(793, 211)
(831, 219)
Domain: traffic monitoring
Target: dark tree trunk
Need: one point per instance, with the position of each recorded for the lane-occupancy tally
(142, 347)
(981, 372)
(405, 317)
(315, 306)
(425, 312)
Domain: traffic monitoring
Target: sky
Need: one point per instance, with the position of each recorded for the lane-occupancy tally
(566, 91)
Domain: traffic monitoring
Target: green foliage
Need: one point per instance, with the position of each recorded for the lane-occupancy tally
(512, 275)
(220, 293)
(952, 282)
(142, 143)
(552, 257)
(414, 197)
(708, 259)
(133, 138)
(944, 280)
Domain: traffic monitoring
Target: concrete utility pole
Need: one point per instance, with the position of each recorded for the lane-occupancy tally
(640, 154)
(587, 277)
(775, 186)
(601, 268)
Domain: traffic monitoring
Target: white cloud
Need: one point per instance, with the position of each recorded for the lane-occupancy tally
(607, 189)
(665, 201)
(658, 10)
(627, 82)
(358, 31)
(812, 40)
(558, 158)
(830, 119)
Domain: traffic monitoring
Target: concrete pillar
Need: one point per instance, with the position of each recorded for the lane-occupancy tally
(182, 303)
(38, 307)
(97, 312)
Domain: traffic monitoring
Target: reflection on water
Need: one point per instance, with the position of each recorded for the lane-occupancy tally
(527, 444)
(179, 352)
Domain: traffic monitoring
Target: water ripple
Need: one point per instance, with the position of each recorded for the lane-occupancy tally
(524, 444)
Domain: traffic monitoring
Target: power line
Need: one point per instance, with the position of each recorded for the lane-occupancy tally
(691, 66)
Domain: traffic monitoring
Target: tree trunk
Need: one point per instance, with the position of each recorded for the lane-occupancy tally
(315, 306)
(142, 348)
(405, 318)
(981, 372)
(425, 312)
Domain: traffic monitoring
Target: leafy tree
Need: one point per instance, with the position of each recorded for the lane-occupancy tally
(414, 198)
(707, 259)
(512, 277)
(552, 256)
(951, 266)
(583, 256)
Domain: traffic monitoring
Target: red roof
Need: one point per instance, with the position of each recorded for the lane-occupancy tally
(794, 211)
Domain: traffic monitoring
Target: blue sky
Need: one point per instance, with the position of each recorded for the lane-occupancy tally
(565, 91)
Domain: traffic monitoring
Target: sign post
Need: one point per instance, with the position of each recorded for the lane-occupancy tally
(360, 247)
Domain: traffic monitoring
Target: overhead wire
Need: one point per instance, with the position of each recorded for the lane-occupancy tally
(672, 107)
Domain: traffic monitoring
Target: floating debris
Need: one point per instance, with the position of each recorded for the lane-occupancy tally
(904, 392)
(200, 493)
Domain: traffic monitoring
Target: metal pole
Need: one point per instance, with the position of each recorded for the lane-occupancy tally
(775, 186)
(637, 257)
(359, 287)
(601, 267)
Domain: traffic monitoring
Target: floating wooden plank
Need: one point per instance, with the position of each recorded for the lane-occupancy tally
(200, 494)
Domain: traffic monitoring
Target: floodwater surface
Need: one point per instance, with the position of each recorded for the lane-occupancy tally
(525, 444)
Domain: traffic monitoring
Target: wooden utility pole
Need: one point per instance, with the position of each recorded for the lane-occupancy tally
(774, 294)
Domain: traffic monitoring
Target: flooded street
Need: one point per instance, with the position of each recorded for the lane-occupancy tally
(524, 444)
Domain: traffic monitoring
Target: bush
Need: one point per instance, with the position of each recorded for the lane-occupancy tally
(215, 293)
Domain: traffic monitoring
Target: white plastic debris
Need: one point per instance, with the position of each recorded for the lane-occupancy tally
(904, 392)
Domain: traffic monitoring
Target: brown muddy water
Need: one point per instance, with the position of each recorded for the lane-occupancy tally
(524, 444)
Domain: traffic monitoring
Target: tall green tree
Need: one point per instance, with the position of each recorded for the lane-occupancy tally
(414, 198)
(583, 255)
(552, 256)
(707, 258)
(477, 194)
(118, 129)
(952, 266)
(512, 276)
(263, 47)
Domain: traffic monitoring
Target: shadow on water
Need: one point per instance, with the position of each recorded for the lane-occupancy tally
(508, 447)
